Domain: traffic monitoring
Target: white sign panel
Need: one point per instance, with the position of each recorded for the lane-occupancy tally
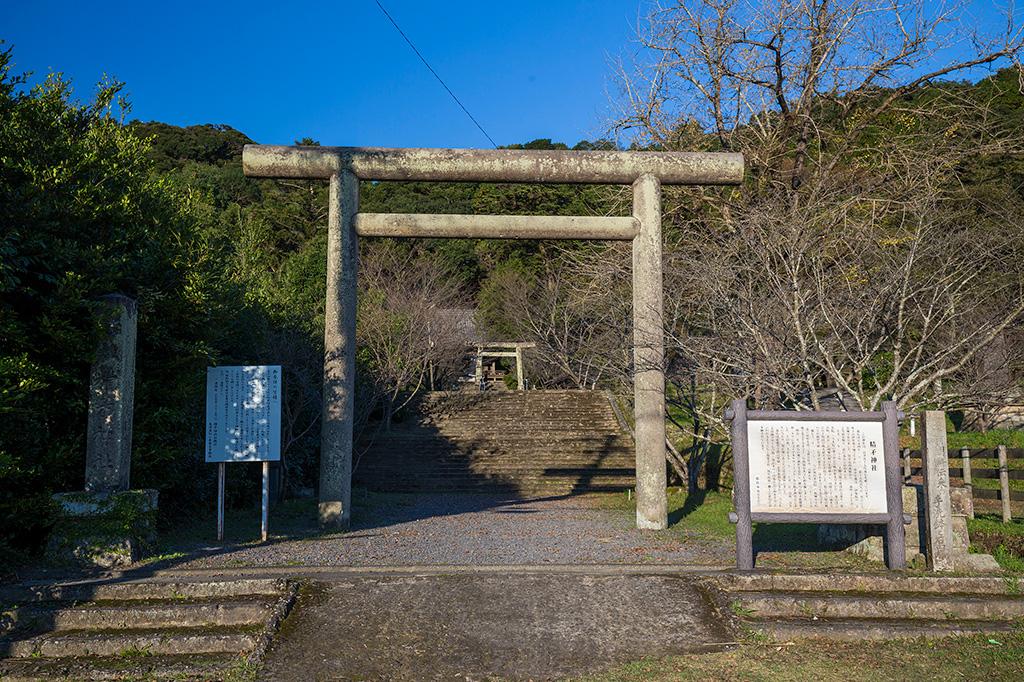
(243, 414)
(816, 467)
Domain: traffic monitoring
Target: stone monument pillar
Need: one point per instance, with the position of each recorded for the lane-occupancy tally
(107, 524)
(938, 512)
(937, 534)
(108, 447)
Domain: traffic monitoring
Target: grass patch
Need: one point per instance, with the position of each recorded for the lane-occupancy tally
(134, 652)
(1004, 541)
(974, 440)
(993, 523)
(242, 671)
(705, 516)
(159, 558)
(706, 513)
(983, 657)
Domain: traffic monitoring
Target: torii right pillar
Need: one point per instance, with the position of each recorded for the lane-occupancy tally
(648, 357)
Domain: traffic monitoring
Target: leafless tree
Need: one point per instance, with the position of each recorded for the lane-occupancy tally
(402, 329)
(579, 322)
(875, 248)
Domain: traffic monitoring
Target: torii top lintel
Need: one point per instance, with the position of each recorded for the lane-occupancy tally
(493, 165)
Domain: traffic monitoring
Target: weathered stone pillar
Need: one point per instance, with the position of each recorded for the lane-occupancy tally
(520, 379)
(108, 525)
(339, 353)
(938, 512)
(108, 447)
(648, 357)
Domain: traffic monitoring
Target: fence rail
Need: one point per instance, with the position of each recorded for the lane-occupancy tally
(968, 472)
(987, 453)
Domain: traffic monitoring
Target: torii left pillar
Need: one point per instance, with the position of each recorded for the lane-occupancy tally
(335, 509)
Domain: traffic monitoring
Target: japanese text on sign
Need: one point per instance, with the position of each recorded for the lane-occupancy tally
(816, 467)
(243, 414)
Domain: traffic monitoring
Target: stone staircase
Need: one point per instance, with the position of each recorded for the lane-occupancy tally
(150, 629)
(507, 442)
(883, 606)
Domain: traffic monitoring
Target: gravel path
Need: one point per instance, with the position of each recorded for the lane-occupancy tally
(468, 529)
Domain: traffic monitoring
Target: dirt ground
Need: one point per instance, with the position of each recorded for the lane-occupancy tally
(480, 627)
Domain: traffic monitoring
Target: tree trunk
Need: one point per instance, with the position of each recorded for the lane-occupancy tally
(389, 411)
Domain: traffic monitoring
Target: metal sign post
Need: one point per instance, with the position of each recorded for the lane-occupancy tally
(243, 424)
(220, 501)
(816, 467)
(265, 502)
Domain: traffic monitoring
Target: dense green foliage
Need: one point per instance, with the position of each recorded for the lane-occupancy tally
(225, 269)
(82, 215)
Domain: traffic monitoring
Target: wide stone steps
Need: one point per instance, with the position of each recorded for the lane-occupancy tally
(535, 437)
(84, 591)
(92, 629)
(884, 606)
(899, 606)
(471, 468)
(548, 442)
(500, 458)
(498, 450)
(503, 484)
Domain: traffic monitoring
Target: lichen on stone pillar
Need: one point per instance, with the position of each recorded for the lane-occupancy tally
(108, 448)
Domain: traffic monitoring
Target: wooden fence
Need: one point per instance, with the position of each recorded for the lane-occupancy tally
(969, 472)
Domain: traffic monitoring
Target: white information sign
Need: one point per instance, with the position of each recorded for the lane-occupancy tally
(243, 414)
(816, 467)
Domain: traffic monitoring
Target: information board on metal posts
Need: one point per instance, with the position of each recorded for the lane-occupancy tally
(243, 424)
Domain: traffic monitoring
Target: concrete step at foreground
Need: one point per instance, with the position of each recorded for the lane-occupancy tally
(782, 630)
(868, 583)
(891, 606)
(140, 590)
(144, 614)
(190, 668)
(851, 606)
(138, 629)
(132, 642)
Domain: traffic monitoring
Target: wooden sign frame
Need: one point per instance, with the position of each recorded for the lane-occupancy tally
(893, 517)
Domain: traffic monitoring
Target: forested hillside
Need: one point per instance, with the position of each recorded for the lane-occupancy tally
(225, 269)
(228, 269)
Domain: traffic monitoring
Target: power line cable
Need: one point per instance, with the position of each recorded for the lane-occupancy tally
(439, 79)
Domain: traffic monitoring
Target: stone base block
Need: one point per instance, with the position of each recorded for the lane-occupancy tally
(107, 530)
(976, 563)
(867, 540)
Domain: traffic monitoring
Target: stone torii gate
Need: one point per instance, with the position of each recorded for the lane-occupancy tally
(508, 349)
(344, 167)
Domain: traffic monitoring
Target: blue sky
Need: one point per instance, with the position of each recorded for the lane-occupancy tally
(339, 72)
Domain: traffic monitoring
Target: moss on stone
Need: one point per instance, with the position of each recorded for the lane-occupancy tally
(103, 529)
